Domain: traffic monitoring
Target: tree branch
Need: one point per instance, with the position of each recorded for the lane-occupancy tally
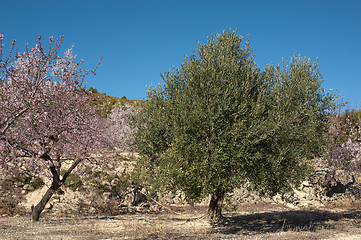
(67, 173)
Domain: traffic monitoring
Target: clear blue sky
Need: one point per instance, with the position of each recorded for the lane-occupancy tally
(141, 39)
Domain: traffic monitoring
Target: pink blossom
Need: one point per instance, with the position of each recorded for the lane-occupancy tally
(45, 111)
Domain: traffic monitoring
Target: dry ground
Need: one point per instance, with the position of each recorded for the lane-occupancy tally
(256, 221)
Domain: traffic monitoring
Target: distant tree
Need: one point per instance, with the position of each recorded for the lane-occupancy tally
(93, 90)
(218, 122)
(345, 153)
(45, 116)
(121, 129)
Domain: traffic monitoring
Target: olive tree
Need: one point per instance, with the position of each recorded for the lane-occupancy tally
(218, 121)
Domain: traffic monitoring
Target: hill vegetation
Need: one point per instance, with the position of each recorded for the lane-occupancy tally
(105, 103)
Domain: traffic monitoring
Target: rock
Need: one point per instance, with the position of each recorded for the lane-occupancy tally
(309, 197)
(167, 198)
(92, 210)
(28, 187)
(299, 194)
(143, 207)
(155, 208)
(179, 198)
(107, 194)
(306, 184)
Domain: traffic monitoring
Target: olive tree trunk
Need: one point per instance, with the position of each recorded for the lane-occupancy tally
(215, 205)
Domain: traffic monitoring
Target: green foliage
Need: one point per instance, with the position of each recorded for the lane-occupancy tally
(93, 90)
(219, 121)
(105, 103)
(105, 182)
(74, 182)
(35, 182)
(59, 191)
(231, 203)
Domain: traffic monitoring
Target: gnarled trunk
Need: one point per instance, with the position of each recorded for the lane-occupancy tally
(215, 205)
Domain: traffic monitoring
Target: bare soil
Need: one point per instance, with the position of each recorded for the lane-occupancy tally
(250, 221)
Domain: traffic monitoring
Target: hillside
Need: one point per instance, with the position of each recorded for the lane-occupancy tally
(106, 103)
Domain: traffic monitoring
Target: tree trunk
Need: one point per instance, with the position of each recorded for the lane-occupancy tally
(36, 211)
(41, 205)
(215, 205)
(55, 185)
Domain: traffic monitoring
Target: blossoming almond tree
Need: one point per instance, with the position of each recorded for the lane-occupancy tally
(45, 115)
(121, 129)
(346, 133)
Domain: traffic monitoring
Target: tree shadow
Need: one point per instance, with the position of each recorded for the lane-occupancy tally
(271, 222)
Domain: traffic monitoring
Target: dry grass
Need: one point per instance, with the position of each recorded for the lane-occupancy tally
(345, 204)
(254, 222)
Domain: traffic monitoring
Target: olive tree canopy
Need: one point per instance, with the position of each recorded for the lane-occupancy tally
(219, 121)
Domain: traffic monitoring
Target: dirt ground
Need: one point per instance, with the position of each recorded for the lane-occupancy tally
(256, 221)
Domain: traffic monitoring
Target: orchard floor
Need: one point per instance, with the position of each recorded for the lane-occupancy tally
(257, 221)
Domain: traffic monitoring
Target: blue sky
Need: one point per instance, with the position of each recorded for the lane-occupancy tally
(141, 39)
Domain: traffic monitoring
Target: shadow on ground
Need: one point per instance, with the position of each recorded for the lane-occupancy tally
(271, 222)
